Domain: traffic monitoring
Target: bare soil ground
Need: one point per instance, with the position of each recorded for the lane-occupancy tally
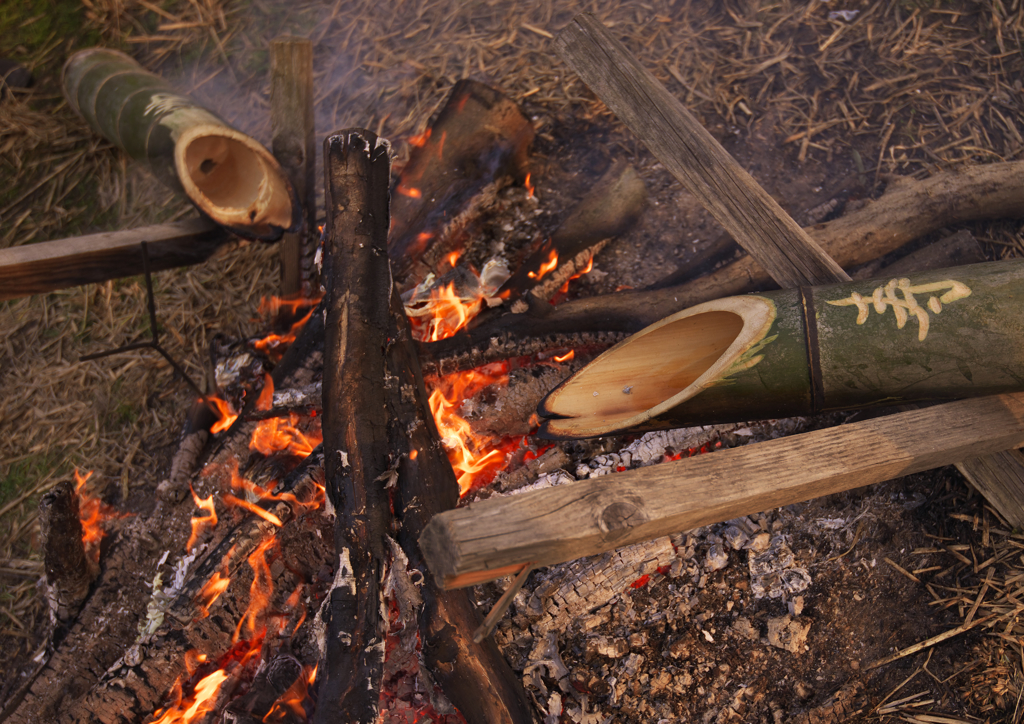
(817, 108)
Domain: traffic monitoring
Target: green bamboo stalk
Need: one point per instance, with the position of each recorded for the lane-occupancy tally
(228, 176)
(938, 335)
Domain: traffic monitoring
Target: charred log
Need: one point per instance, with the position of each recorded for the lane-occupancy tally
(357, 169)
(69, 572)
(480, 137)
(474, 676)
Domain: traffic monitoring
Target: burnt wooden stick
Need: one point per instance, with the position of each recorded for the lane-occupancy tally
(608, 210)
(495, 537)
(474, 676)
(692, 155)
(293, 144)
(907, 211)
(50, 265)
(479, 136)
(357, 169)
(69, 572)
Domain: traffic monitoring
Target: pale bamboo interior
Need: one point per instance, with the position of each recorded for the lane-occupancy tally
(233, 178)
(657, 368)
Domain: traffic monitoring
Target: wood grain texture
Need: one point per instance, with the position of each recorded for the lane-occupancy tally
(1000, 478)
(692, 155)
(357, 172)
(589, 517)
(293, 143)
(50, 265)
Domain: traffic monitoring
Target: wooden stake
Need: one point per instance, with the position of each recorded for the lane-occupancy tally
(292, 128)
(357, 170)
(69, 573)
(496, 537)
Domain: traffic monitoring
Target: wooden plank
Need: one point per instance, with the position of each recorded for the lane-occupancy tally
(693, 156)
(49, 265)
(291, 122)
(490, 538)
(1000, 478)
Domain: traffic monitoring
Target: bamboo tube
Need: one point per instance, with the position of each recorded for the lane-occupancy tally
(229, 176)
(938, 335)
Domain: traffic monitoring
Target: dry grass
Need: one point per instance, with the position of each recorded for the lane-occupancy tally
(906, 87)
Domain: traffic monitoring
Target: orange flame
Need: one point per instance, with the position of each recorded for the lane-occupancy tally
(275, 345)
(252, 508)
(201, 523)
(211, 591)
(453, 258)
(262, 587)
(529, 186)
(275, 435)
(266, 399)
(200, 703)
(226, 416)
(565, 357)
(290, 702)
(420, 139)
(468, 452)
(271, 306)
(546, 267)
(446, 314)
(93, 514)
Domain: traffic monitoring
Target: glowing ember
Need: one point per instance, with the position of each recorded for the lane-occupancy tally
(226, 416)
(546, 267)
(453, 258)
(565, 357)
(262, 587)
(193, 708)
(94, 514)
(201, 523)
(411, 191)
(474, 458)
(276, 434)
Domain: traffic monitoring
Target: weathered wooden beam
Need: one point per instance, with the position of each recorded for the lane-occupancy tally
(692, 155)
(293, 144)
(50, 265)
(357, 169)
(496, 537)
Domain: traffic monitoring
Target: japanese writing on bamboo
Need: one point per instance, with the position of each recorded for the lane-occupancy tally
(906, 305)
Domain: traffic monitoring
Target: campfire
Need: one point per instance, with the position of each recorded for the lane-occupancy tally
(391, 506)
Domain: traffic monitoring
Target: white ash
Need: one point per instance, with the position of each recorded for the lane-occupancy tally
(308, 396)
(773, 573)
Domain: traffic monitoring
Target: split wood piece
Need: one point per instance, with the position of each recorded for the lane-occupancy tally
(938, 335)
(908, 210)
(50, 265)
(480, 137)
(608, 210)
(69, 572)
(692, 155)
(473, 675)
(357, 168)
(495, 537)
(228, 175)
(294, 147)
